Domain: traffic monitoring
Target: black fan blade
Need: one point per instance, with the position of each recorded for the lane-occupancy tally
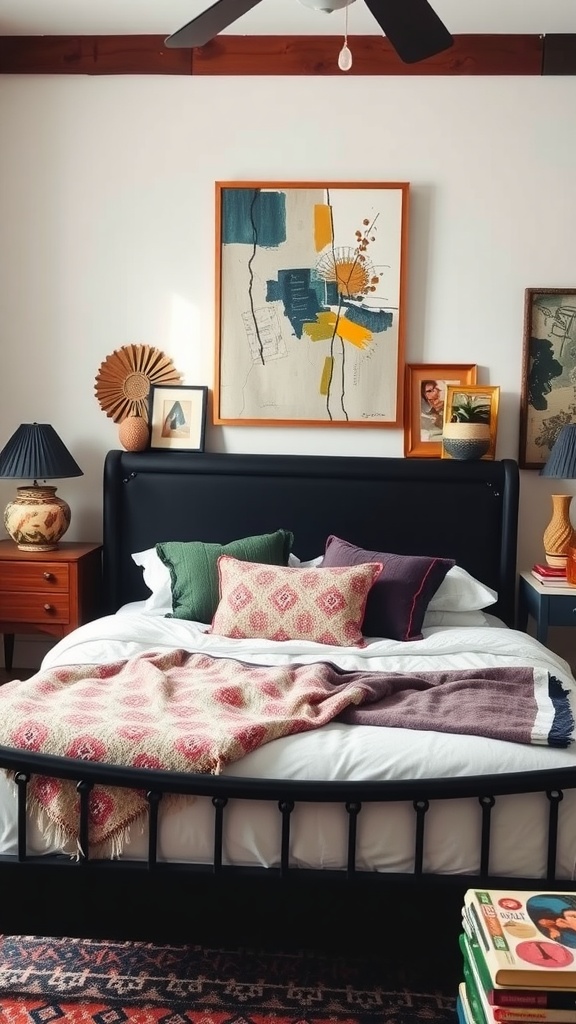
(207, 25)
(413, 28)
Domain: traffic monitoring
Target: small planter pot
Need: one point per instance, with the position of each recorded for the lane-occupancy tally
(466, 441)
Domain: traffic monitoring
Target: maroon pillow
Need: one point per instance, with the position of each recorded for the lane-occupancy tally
(398, 600)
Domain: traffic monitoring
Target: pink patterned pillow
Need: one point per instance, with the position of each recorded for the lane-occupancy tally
(274, 602)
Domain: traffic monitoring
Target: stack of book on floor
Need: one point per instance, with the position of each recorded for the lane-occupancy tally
(519, 953)
(549, 575)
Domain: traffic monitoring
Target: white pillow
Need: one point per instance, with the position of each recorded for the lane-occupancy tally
(157, 579)
(432, 619)
(295, 563)
(461, 592)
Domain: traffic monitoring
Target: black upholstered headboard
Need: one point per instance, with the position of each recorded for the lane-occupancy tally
(463, 510)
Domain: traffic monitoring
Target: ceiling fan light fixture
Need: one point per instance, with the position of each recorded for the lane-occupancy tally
(327, 6)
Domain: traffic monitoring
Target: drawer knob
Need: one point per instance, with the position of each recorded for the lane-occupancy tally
(48, 575)
(48, 608)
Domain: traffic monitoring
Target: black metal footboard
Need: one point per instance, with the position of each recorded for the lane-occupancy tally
(285, 795)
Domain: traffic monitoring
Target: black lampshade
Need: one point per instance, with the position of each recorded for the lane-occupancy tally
(35, 452)
(562, 460)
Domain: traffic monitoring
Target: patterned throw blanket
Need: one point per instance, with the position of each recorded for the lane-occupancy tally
(196, 713)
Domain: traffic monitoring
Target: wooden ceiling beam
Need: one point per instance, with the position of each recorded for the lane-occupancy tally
(496, 54)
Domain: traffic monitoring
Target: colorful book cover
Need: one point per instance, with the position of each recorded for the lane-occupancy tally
(486, 1013)
(498, 995)
(527, 939)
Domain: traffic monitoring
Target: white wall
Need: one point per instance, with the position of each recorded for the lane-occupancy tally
(107, 234)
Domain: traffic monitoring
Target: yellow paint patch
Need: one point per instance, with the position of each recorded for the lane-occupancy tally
(322, 328)
(354, 333)
(326, 377)
(322, 226)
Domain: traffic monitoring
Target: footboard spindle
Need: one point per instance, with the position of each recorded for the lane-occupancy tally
(486, 803)
(84, 789)
(286, 807)
(22, 779)
(353, 810)
(555, 796)
(153, 797)
(420, 807)
(219, 803)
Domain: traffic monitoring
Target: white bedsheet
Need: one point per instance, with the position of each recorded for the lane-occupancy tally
(339, 751)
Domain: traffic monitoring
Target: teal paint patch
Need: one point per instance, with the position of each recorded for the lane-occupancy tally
(374, 320)
(251, 217)
(293, 288)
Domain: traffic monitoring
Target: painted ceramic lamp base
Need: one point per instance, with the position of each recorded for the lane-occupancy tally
(37, 519)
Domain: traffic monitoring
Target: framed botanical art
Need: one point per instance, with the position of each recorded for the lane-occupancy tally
(424, 397)
(548, 395)
(310, 300)
(177, 417)
(470, 421)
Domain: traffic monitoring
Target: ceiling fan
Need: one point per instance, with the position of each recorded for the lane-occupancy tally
(412, 26)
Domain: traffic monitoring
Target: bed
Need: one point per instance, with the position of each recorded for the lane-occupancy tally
(329, 821)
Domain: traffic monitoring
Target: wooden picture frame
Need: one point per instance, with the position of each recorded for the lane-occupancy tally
(473, 404)
(310, 301)
(548, 396)
(423, 423)
(177, 417)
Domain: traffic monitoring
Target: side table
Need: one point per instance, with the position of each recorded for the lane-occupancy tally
(548, 605)
(50, 592)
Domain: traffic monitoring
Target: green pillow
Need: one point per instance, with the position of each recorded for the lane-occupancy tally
(193, 568)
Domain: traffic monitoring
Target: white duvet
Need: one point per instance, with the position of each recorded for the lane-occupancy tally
(351, 752)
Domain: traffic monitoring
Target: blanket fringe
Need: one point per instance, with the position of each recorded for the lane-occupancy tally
(54, 833)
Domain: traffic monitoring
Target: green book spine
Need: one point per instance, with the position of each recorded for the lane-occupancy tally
(475, 950)
(474, 996)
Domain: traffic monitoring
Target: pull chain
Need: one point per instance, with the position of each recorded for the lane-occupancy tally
(345, 55)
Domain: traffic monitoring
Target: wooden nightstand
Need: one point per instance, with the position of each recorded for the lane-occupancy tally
(549, 606)
(48, 591)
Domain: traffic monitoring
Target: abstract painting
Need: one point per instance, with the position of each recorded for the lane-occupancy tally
(548, 399)
(310, 303)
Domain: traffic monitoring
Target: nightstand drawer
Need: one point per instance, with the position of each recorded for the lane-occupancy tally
(562, 610)
(15, 576)
(34, 608)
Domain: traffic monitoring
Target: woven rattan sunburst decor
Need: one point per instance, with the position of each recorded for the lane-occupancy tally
(125, 377)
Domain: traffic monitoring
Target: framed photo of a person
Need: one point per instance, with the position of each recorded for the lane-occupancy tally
(424, 398)
(178, 417)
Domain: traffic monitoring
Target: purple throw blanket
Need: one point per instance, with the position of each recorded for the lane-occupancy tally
(521, 705)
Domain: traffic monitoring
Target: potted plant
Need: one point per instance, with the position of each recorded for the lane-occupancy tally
(466, 435)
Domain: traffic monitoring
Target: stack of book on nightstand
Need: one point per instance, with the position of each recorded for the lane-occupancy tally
(519, 953)
(549, 575)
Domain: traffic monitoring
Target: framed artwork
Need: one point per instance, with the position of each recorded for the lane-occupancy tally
(424, 397)
(177, 417)
(548, 394)
(471, 414)
(310, 300)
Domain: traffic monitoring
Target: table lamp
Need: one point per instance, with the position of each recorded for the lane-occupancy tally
(559, 534)
(36, 519)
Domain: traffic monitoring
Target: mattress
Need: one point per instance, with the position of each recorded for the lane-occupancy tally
(346, 752)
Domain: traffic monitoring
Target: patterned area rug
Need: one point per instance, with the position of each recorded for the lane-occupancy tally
(85, 981)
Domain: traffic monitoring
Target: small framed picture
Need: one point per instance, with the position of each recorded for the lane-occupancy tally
(177, 417)
(470, 422)
(425, 394)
